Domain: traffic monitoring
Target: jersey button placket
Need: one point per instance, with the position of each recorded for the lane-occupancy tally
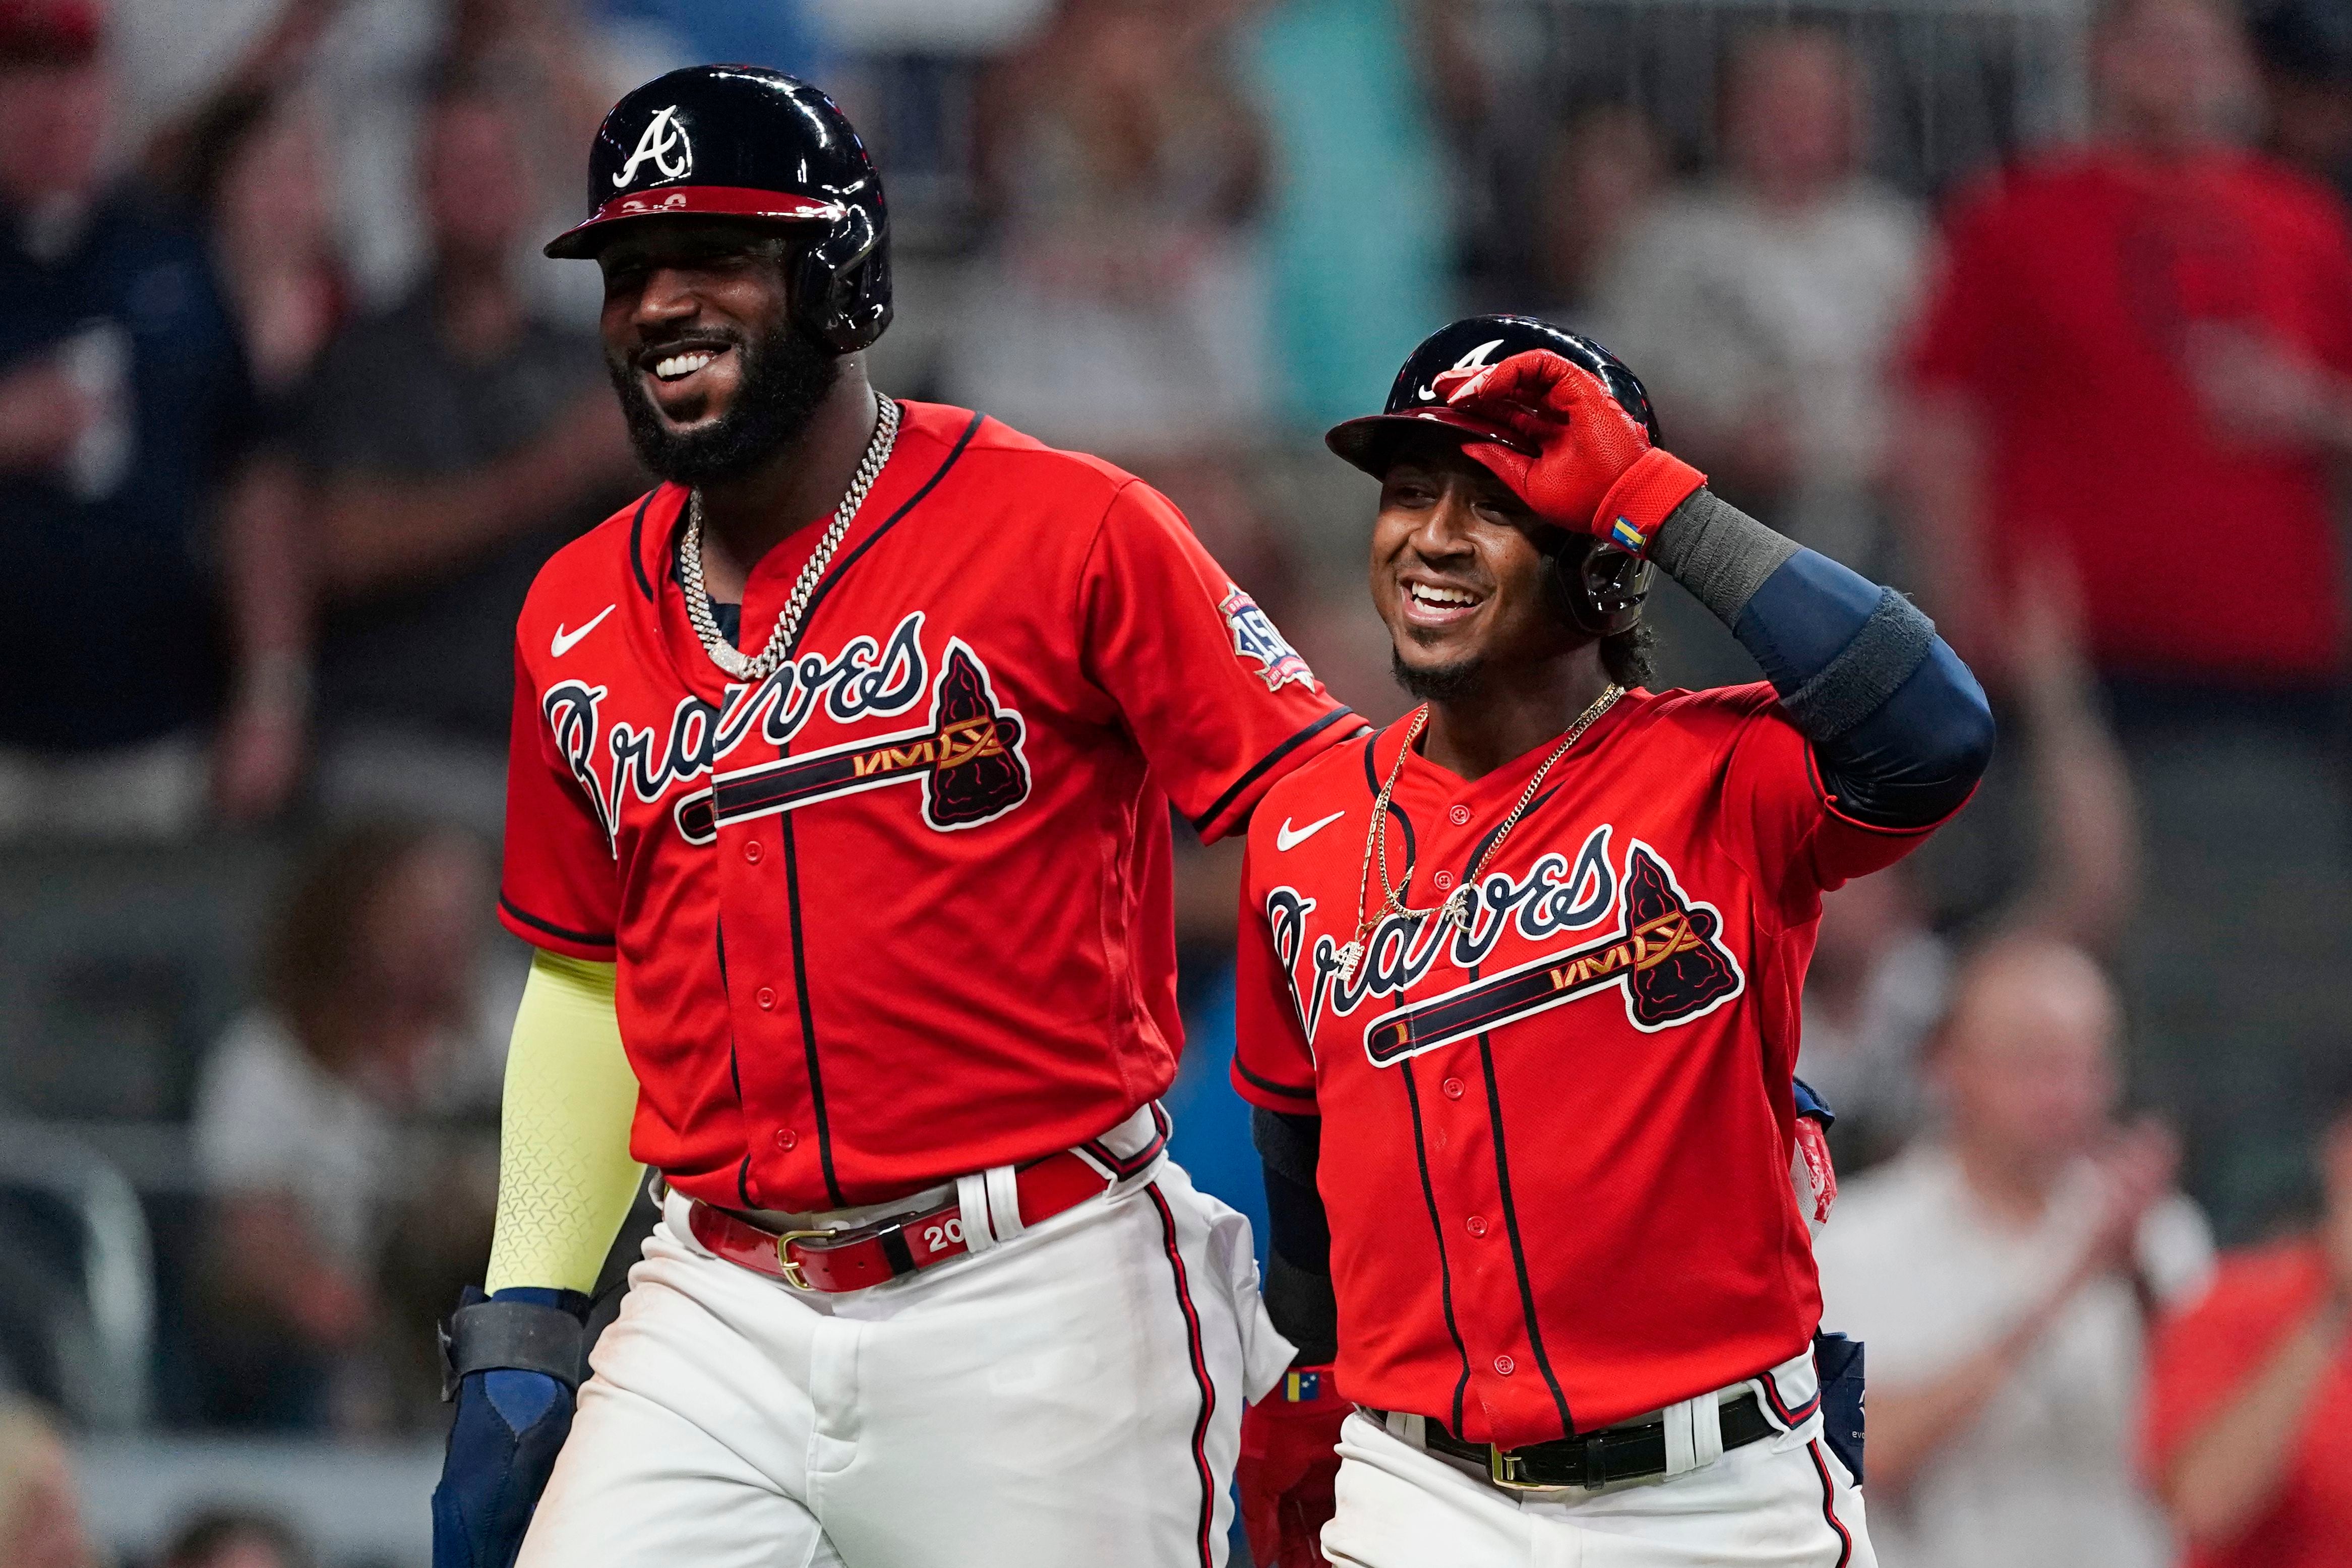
(787, 1140)
(1475, 1225)
(751, 851)
(766, 999)
(1458, 815)
(1504, 1366)
(1451, 1089)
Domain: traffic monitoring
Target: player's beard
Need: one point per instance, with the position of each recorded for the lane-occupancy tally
(1444, 683)
(786, 375)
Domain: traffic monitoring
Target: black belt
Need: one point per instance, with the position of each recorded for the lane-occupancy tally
(1626, 1453)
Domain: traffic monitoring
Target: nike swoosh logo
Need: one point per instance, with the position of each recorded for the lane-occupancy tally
(564, 641)
(1285, 838)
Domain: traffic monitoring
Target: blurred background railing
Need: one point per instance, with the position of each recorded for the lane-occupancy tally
(291, 409)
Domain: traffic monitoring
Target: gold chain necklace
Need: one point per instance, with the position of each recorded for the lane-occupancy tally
(1456, 905)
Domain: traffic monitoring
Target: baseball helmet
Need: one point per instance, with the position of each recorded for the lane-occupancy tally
(1601, 587)
(753, 144)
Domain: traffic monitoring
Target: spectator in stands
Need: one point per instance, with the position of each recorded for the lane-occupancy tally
(1763, 309)
(2140, 357)
(2246, 1437)
(2183, 312)
(259, 172)
(1604, 169)
(456, 441)
(237, 1538)
(1880, 973)
(145, 541)
(40, 1516)
(373, 1015)
(1997, 1273)
(1124, 312)
(1352, 92)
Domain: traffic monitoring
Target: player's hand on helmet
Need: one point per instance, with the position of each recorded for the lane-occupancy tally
(1569, 449)
(509, 1425)
(1287, 1467)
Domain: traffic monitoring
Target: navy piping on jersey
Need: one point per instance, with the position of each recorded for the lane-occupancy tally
(1503, 1169)
(586, 939)
(1257, 769)
(808, 1019)
(1420, 1146)
(824, 584)
(1271, 1087)
(1437, 1234)
(1511, 1230)
(792, 849)
(1200, 1373)
(734, 1066)
(636, 546)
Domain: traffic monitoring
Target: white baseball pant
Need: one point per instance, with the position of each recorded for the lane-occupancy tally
(1069, 1398)
(1782, 1501)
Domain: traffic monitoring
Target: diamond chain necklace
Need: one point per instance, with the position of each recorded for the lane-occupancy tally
(726, 655)
(1456, 906)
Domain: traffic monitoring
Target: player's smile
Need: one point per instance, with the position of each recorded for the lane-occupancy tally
(681, 302)
(693, 378)
(1456, 570)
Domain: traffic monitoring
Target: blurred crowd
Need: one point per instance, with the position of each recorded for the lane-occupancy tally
(288, 394)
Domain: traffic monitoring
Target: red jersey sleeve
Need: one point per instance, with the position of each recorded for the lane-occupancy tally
(1272, 1065)
(560, 888)
(1221, 705)
(1966, 337)
(1780, 819)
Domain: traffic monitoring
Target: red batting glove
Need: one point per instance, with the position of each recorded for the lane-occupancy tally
(1575, 455)
(1287, 1465)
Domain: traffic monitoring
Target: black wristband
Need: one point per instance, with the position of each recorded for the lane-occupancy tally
(483, 1335)
(1304, 1310)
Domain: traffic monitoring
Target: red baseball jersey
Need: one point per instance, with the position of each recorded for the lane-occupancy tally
(1556, 1142)
(902, 910)
(2075, 294)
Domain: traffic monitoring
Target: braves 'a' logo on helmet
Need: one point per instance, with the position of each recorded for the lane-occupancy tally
(665, 142)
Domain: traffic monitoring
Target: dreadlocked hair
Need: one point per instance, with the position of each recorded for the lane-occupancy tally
(1626, 655)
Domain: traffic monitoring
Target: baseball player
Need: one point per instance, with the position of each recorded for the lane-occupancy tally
(838, 815)
(1518, 986)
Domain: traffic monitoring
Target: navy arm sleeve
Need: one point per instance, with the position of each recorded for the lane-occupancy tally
(1298, 1294)
(1899, 726)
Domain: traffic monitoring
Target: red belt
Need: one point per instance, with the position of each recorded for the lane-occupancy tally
(866, 1255)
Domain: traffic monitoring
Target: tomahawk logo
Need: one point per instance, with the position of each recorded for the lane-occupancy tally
(1666, 958)
(665, 143)
(968, 760)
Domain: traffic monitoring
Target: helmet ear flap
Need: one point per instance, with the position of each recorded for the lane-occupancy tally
(841, 287)
(1599, 589)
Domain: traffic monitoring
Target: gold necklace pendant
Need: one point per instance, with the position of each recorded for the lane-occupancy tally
(1455, 909)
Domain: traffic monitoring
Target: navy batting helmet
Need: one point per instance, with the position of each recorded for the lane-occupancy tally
(1468, 344)
(1601, 589)
(749, 143)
